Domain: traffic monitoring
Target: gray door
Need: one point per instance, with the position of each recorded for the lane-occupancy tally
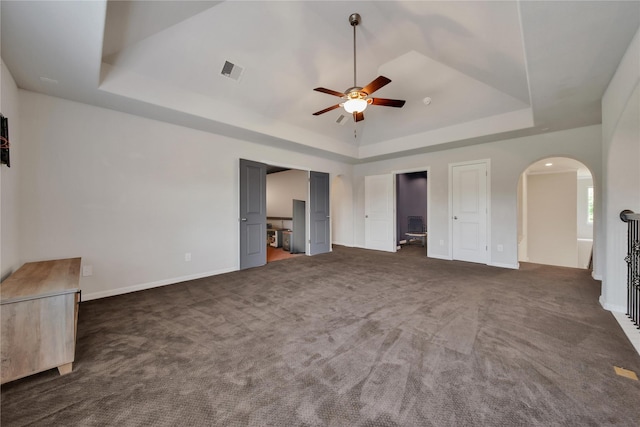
(319, 225)
(253, 214)
(298, 236)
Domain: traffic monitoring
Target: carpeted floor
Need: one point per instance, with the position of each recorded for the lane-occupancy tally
(351, 338)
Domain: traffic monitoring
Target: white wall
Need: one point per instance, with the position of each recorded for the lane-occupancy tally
(509, 158)
(9, 207)
(131, 195)
(552, 231)
(621, 178)
(282, 189)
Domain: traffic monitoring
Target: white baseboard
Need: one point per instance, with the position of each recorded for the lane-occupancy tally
(629, 329)
(505, 265)
(612, 307)
(596, 276)
(438, 256)
(156, 284)
(343, 244)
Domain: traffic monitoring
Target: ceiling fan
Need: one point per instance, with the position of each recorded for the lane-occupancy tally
(357, 98)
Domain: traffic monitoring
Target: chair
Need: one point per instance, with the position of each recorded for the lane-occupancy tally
(416, 230)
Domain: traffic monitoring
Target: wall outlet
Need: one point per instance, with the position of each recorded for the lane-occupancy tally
(187, 256)
(87, 270)
(500, 248)
(441, 242)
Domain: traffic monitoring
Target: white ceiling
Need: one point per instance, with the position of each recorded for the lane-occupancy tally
(494, 70)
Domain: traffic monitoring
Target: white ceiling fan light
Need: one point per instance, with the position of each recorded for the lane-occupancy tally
(355, 104)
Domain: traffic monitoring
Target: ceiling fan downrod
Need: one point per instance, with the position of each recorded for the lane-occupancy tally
(354, 20)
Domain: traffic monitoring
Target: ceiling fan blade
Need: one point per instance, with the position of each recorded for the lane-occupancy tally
(329, 91)
(333, 107)
(358, 116)
(388, 102)
(376, 84)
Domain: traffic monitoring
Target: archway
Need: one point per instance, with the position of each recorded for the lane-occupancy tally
(556, 213)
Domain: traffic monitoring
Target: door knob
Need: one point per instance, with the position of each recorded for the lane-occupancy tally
(243, 219)
(366, 216)
(455, 217)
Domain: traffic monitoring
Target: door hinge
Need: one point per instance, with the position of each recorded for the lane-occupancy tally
(486, 248)
(309, 241)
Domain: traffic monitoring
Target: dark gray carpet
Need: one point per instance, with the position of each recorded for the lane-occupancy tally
(351, 338)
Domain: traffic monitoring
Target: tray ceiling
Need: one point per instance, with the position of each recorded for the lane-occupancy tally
(493, 70)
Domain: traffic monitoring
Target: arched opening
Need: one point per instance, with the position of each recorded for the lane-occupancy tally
(556, 213)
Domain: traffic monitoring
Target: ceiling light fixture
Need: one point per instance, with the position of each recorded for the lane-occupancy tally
(356, 104)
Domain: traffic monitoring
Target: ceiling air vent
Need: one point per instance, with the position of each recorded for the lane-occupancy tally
(233, 71)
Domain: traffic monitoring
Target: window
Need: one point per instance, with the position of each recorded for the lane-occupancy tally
(590, 205)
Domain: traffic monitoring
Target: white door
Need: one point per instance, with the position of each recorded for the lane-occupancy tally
(378, 213)
(469, 212)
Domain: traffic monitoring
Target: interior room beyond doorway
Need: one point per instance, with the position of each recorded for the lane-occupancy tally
(286, 212)
(411, 209)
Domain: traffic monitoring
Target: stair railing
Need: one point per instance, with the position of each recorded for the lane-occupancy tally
(633, 265)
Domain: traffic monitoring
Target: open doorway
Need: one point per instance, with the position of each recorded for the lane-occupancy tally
(411, 211)
(286, 212)
(312, 223)
(555, 213)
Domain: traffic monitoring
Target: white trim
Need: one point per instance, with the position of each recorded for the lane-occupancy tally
(438, 256)
(596, 276)
(612, 307)
(156, 284)
(348, 245)
(505, 265)
(629, 329)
